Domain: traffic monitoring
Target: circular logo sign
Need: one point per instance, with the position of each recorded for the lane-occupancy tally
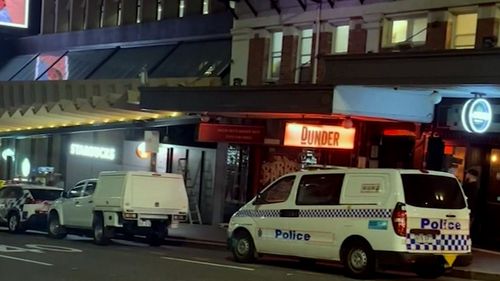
(477, 115)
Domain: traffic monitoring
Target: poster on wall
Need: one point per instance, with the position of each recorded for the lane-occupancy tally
(50, 67)
(14, 13)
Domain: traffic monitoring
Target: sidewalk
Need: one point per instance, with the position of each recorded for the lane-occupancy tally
(485, 266)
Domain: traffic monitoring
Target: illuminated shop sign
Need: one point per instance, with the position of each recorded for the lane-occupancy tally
(477, 115)
(319, 136)
(105, 153)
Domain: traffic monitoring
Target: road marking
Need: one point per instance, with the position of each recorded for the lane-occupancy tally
(209, 263)
(25, 260)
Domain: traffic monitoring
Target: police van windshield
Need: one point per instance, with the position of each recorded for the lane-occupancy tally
(430, 191)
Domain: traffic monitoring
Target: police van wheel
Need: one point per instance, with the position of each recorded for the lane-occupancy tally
(359, 260)
(56, 230)
(14, 223)
(102, 234)
(243, 248)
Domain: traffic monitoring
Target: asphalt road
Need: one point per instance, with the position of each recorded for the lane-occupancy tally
(34, 256)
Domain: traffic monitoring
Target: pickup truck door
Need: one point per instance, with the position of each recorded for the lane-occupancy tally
(86, 205)
(70, 204)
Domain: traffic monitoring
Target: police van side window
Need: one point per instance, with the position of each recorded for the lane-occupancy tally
(278, 192)
(322, 189)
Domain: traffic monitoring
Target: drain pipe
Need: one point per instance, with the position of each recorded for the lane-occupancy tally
(316, 45)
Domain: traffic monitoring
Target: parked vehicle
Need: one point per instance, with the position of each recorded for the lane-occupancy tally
(121, 202)
(25, 206)
(361, 217)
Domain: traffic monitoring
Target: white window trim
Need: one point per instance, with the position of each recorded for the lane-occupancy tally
(334, 38)
(298, 62)
(389, 23)
(270, 57)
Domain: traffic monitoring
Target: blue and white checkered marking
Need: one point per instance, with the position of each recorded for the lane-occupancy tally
(441, 242)
(321, 213)
(351, 213)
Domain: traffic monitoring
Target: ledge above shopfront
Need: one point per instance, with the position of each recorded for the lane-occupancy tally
(450, 67)
(264, 101)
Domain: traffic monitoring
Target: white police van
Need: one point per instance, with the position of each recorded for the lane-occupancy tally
(365, 218)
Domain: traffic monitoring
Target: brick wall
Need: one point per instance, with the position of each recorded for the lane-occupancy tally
(438, 35)
(357, 38)
(325, 48)
(486, 28)
(257, 60)
(289, 59)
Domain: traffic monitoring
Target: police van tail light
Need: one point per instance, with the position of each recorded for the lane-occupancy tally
(399, 221)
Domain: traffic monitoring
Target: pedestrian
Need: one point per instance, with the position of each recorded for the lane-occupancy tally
(471, 190)
(4, 13)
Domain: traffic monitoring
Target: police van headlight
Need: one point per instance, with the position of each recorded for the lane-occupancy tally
(180, 218)
(129, 216)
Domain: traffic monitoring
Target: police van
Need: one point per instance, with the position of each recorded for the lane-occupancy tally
(365, 218)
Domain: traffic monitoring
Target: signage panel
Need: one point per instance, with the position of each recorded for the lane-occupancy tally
(97, 152)
(319, 136)
(230, 133)
(14, 13)
(477, 115)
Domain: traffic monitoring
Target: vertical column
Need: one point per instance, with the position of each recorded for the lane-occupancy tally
(171, 8)
(258, 58)
(487, 26)
(438, 30)
(215, 6)
(77, 10)
(289, 55)
(62, 15)
(357, 36)
(48, 19)
(325, 48)
(193, 7)
(373, 26)
(110, 13)
(240, 48)
(149, 10)
(219, 183)
(129, 12)
(93, 14)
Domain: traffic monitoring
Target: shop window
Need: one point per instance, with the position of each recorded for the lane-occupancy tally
(206, 6)
(412, 30)
(464, 31)
(323, 189)
(182, 5)
(279, 191)
(275, 60)
(341, 42)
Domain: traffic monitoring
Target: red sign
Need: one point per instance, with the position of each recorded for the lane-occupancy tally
(320, 136)
(230, 133)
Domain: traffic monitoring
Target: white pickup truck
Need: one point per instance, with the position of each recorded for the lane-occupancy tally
(130, 203)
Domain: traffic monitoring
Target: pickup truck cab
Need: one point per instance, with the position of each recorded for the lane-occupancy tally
(130, 203)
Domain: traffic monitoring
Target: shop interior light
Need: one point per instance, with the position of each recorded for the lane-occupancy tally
(122, 119)
(494, 158)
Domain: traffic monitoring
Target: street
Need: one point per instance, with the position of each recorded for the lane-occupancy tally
(37, 257)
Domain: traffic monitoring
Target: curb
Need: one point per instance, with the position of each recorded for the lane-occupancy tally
(473, 275)
(177, 241)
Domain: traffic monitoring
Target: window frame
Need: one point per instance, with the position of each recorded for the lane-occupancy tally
(300, 51)
(262, 195)
(335, 39)
(454, 30)
(274, 54)
(338, 193)
(87, 185)
(80, 185)
(410, 19)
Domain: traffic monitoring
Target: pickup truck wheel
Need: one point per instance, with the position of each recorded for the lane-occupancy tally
(14, 223)
(56, 230)
(102, 234)
(158, 233)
